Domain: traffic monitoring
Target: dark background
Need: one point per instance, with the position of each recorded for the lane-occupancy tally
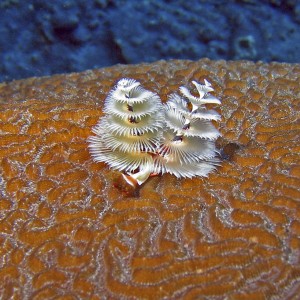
(41, 37)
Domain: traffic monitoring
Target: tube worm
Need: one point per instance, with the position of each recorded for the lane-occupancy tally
(130, 132)
(188, 147)
(139, 136)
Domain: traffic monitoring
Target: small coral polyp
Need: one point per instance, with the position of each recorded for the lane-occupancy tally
(140, 136)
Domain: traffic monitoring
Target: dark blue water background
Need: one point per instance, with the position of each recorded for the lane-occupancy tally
(41, 37)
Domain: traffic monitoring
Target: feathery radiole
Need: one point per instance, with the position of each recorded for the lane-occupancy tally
(140, 136)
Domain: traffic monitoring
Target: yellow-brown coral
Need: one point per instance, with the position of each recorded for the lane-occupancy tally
(66, 231)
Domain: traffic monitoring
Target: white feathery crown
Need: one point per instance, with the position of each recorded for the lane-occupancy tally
(141, 136)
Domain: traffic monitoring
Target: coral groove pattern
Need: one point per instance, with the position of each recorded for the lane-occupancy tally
(66, 231)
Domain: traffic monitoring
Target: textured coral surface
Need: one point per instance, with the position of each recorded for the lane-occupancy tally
(69, 228)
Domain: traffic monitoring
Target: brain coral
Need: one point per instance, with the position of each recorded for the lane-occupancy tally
(68, 230)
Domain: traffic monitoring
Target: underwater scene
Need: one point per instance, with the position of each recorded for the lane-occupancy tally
(149, 150)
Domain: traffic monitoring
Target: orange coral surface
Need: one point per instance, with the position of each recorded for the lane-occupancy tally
(69, 229)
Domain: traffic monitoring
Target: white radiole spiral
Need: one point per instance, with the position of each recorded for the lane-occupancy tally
(140, 136)
(131, 130)
(188, 147)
